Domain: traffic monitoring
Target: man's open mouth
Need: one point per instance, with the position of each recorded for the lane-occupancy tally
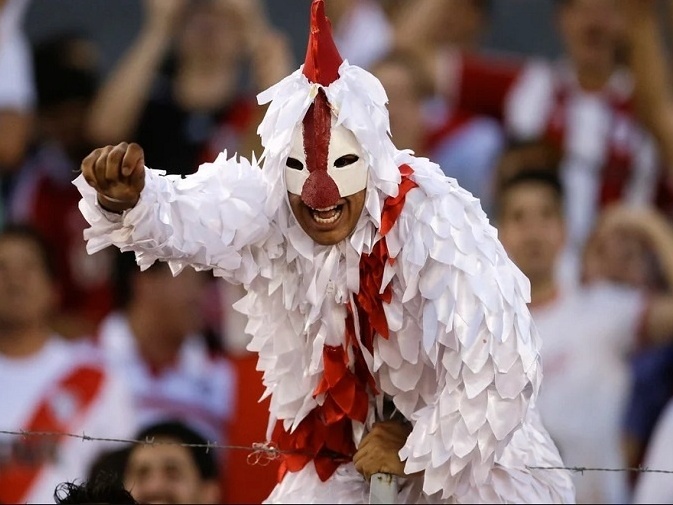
(327, 215)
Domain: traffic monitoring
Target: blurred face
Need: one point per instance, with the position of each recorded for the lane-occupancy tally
(404, 105)
(617, 256)
(27, 292)
(592, 31)
(462, 25)
(179, 299)
(166, 474)
(66, 122)
(531, 228)
(213, 30)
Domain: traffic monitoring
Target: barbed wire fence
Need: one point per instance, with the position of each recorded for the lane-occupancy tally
(262, 453)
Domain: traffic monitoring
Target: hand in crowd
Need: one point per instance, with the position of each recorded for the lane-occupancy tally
(379, 449)
(117, 173)
(618, 247)
(268, 48)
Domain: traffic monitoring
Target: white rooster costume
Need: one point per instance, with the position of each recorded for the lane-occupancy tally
(419, 308)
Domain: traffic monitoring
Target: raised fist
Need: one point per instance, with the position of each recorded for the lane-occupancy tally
(117, 173)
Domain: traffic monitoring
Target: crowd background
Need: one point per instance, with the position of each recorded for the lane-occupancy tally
(556, 114)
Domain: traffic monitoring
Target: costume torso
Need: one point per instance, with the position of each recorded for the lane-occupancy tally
(460, 361)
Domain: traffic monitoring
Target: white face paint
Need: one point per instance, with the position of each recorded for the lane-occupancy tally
(345, 162)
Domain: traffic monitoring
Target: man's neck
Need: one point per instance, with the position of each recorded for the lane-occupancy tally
(22, 342)
(593, 79)
(542, 291)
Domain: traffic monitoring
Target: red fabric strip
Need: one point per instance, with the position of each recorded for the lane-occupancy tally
(327, 430)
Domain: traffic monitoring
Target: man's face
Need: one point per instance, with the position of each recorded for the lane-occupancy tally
(618, 256)
(27, 292)
(330, 227)
(531, 228)
(327, 208)
(592, 31)
(212, 31)
(462, 25)
(165, 474)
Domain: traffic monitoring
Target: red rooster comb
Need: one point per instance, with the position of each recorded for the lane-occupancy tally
(322, 56)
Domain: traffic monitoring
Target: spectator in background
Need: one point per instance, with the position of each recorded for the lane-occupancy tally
(17, 94)
(582, 105)
(648, 59)
(363, 30)
(467, 145)
(154, 340)
(172, 463)
(408, 86)
(587, 331)
(166, 472)
(177, 90)
(48, 384)
(95, 491)
(634, 247)
(441, 25)
(66, 72)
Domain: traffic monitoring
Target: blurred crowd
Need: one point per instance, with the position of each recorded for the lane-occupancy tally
(571, 159)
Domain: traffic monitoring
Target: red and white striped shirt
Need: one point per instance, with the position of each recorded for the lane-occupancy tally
(607, 156)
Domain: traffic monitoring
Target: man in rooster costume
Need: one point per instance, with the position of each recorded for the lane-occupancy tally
(391, 327)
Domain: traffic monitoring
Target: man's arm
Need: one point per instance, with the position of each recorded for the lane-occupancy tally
(207, 220)
(121, 100)
(648, 62)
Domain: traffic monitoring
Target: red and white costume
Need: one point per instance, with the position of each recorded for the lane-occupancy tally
(62, 388)
(419, 305)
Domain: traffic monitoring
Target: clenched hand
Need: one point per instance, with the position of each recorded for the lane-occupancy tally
(117, 173)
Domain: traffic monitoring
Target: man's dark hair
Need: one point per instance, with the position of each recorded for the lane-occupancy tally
(541, 176)
(99, 490)
(183, 434)
(29, 233)
(109, 465)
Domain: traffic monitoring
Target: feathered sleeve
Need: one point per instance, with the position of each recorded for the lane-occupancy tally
(210, 219)
(463, 360)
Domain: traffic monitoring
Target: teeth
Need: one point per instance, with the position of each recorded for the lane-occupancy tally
(328, 220)
(326, 209)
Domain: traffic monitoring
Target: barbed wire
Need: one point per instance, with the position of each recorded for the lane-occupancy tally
(262, 453)
(582, 469)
